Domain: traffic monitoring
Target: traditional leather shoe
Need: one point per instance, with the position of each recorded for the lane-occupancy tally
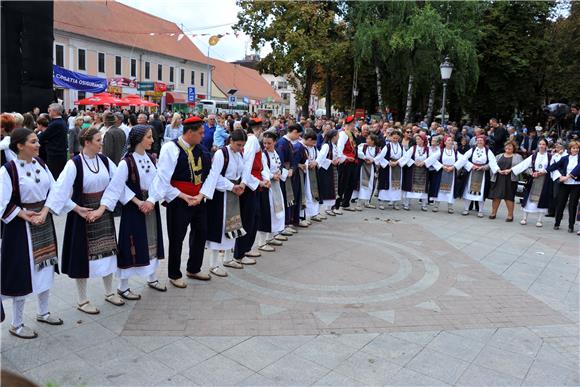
(464, 212)
(178, 283)
(397, 207)
(129, 295)
(274, 242)
(157, 286)
(480, 214)
(48, 319)
(88, 308)
(286, 233)
(281, 237)
(23, 332)
(114, 299)
(234, 264)
(539, 224)
(372, 206)
(338, 212)
(198, 276)
(381, 207)
(253, 254)
(316, 218)
(523, 222)
(303, 224)
(351, 209)
(267, 248)
(322, 216)
(246, 261)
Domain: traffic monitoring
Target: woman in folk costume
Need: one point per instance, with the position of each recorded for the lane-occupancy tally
(442, 185)
(299, 185)
(89, 248)
(504, 184)
(28, 253)
(327, 162)
(435, 153)
(390, 172)
(271, 200)
(538, 190)
(567, 172)
(478, 162)
(223, 208)
(367, 153)
(140, 234)
(416, 163)
(311, 190)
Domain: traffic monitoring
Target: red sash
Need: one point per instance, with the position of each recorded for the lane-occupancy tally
(257, 166)
(186, 187)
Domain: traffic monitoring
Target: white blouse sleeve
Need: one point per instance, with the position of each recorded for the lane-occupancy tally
(521, 167)
(266, 175)
(215, 180)
(492, 162)
(5, 195)
(322, 160)
(463, 161)
(161, 187)
(359, 151)
(432, 159)
(117, 189)
(342, 139)
(380, 158)
(59, 199)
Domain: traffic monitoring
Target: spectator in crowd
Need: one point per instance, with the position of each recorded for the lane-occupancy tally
(6, 126)
(41, 124)
(173, 130)
(209, 130)
(28, 121)
(114, 141)
(500, 136)
(157, 126)
(74, 146)
(55, 138)
(529, 143)
(221, 135)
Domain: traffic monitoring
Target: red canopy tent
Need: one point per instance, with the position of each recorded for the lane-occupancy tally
(135, 100)
(101, 99)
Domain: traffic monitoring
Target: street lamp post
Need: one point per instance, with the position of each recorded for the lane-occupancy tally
(446, 70)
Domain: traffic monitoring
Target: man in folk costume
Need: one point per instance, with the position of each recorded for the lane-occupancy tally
(183, 168)
(312, 210)
(285, 149)
(298, 185)
(252, 180)
(347, 170)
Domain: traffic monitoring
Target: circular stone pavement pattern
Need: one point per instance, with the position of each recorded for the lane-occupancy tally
(346, 275)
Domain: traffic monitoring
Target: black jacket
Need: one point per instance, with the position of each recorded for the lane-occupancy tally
(158, 131)
(55, 138)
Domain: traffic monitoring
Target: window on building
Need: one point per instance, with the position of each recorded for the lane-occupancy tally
(171, 69)
(272, 83)
(81, 59)
(182, 76)
(159, 72)
(286, 97)
(134, 68)
(201, 79)
(192, 77)
(147, 70)
(81, 95)
(101, 62)
(59, 55)
(282, 85)
(118, 64)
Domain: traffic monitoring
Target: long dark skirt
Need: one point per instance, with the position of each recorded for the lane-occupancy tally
(326, 183)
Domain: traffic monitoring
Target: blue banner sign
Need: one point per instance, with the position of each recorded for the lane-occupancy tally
(77, 81)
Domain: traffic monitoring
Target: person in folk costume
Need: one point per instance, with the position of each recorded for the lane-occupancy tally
(312, 209)
(182, 171)
(327, 162)
(415, 166)
(253, 180)
(538, 190)
(299, 184)
(29, 252)
(223, 208)
(504, 184)
(271, 200)
(90, 244)
(390, 172)
(558, 152)
(368, 155)
(7, 124)
(478, 162)
(140, 234)
(285, 149)
(442, 185)
(347, 169)
(567, 172)
(435, 153)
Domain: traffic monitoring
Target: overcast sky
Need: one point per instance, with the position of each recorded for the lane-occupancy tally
(196, 16)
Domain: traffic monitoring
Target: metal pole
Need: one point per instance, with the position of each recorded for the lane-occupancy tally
(443, 104)
(208, 80)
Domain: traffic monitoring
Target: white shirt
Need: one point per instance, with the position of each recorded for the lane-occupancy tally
(5, 146)
(215, 180)
(250, 149)
(161, 184)
(479, 157)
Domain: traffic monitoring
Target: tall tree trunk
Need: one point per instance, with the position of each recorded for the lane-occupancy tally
(409, 100)
(379, 86)
(328, 94)
(431, 103)
(308, 80)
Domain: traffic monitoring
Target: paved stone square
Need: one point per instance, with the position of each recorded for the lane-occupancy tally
(372, 298)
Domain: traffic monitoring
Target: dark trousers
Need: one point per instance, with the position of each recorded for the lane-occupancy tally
(347, 175)
(55, 164)
(568, 193)
(180, 217)
(552, 205)
(250, 212)
(295, 209)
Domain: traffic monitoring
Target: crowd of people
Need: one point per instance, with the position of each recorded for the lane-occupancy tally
(241, 185)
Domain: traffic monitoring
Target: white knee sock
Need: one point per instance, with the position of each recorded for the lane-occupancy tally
(108, 282)
(526, 216)
(17, 311)
(82, 289)
(43, 302)
(123, 284)
(481, 204)
(540, 217)
(406, 202)
(228, 255)
(152, 277)
(261, 238)
(213, 258)
(466, 205)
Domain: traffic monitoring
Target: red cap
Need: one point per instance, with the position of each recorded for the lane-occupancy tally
(192, 120)
(349, 119)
